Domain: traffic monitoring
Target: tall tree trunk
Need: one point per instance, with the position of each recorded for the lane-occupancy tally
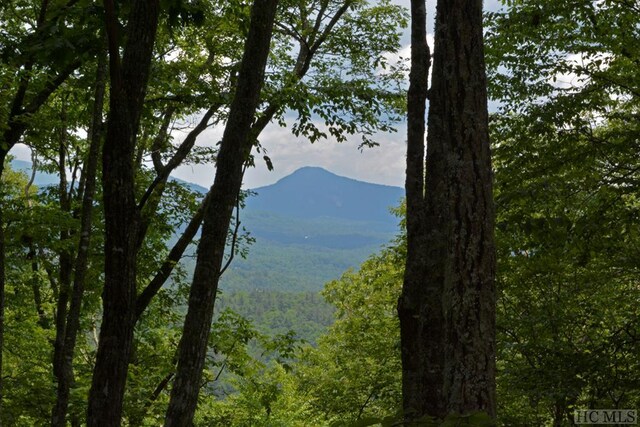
(458, 140)
(128, 86)
(72, 324)
(234, 151)
(419, 305)
(450, 311)
(65, 258)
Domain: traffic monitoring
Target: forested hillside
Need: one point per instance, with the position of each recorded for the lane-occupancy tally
(304, 230)
(294, 250)
(309, 228)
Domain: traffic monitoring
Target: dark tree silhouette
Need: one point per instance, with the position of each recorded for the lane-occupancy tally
(447, 308)
(128, 78)
(235, 148)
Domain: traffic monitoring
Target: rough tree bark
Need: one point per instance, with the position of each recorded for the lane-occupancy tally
(421, 394)
(234, 151)
(459, 137)
(128, 84)
(448, 300)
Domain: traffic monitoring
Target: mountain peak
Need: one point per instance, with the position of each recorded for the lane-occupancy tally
(312, 192)
(312, 169)
(310, 172)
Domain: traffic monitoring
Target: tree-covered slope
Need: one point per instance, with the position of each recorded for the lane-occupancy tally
(309, 228)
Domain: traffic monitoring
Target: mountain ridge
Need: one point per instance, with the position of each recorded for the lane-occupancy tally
(312, 192)
(309, 227)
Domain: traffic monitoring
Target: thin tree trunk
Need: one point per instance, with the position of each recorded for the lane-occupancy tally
(32, 254)
(128, 86)
(234, 151)
(150, 200)
(35, 286)
(65, 258)
(421, 376)
(154, 286)
(65, 378)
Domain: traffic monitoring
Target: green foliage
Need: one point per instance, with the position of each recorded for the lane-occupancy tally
(567, 177)
(28, 389)
(346, 92)
(567, 174)
(197, 50)
(569, 289)
(276, 312)
(354, 372)
(291, 268)
(351, 376)
(251, 371)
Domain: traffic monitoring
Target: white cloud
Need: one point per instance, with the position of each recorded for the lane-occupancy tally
(575, 62)
(21, 152)
(384, 164)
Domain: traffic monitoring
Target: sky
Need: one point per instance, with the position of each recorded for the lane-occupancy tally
(384, 164)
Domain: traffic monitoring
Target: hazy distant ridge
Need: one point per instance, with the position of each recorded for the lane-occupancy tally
(309, 228)
(313, 192)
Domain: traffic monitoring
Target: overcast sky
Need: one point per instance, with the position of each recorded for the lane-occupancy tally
(384, 164)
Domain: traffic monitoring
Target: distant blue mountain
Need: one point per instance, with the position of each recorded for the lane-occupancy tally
(191, 186)
(313, 192)
(309, 227)
(308, 193)
(42, 179)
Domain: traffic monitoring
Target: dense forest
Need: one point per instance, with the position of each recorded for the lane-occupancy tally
(510, 295)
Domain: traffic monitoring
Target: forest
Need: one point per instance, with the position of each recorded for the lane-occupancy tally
(510, 295)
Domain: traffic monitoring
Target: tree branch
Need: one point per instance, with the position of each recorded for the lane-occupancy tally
(144, 299)
(234, 239)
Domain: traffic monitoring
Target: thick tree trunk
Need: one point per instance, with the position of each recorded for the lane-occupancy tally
(460, 179)
(128, 85)
(72, 324)
(234, 151)
(450, 312)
